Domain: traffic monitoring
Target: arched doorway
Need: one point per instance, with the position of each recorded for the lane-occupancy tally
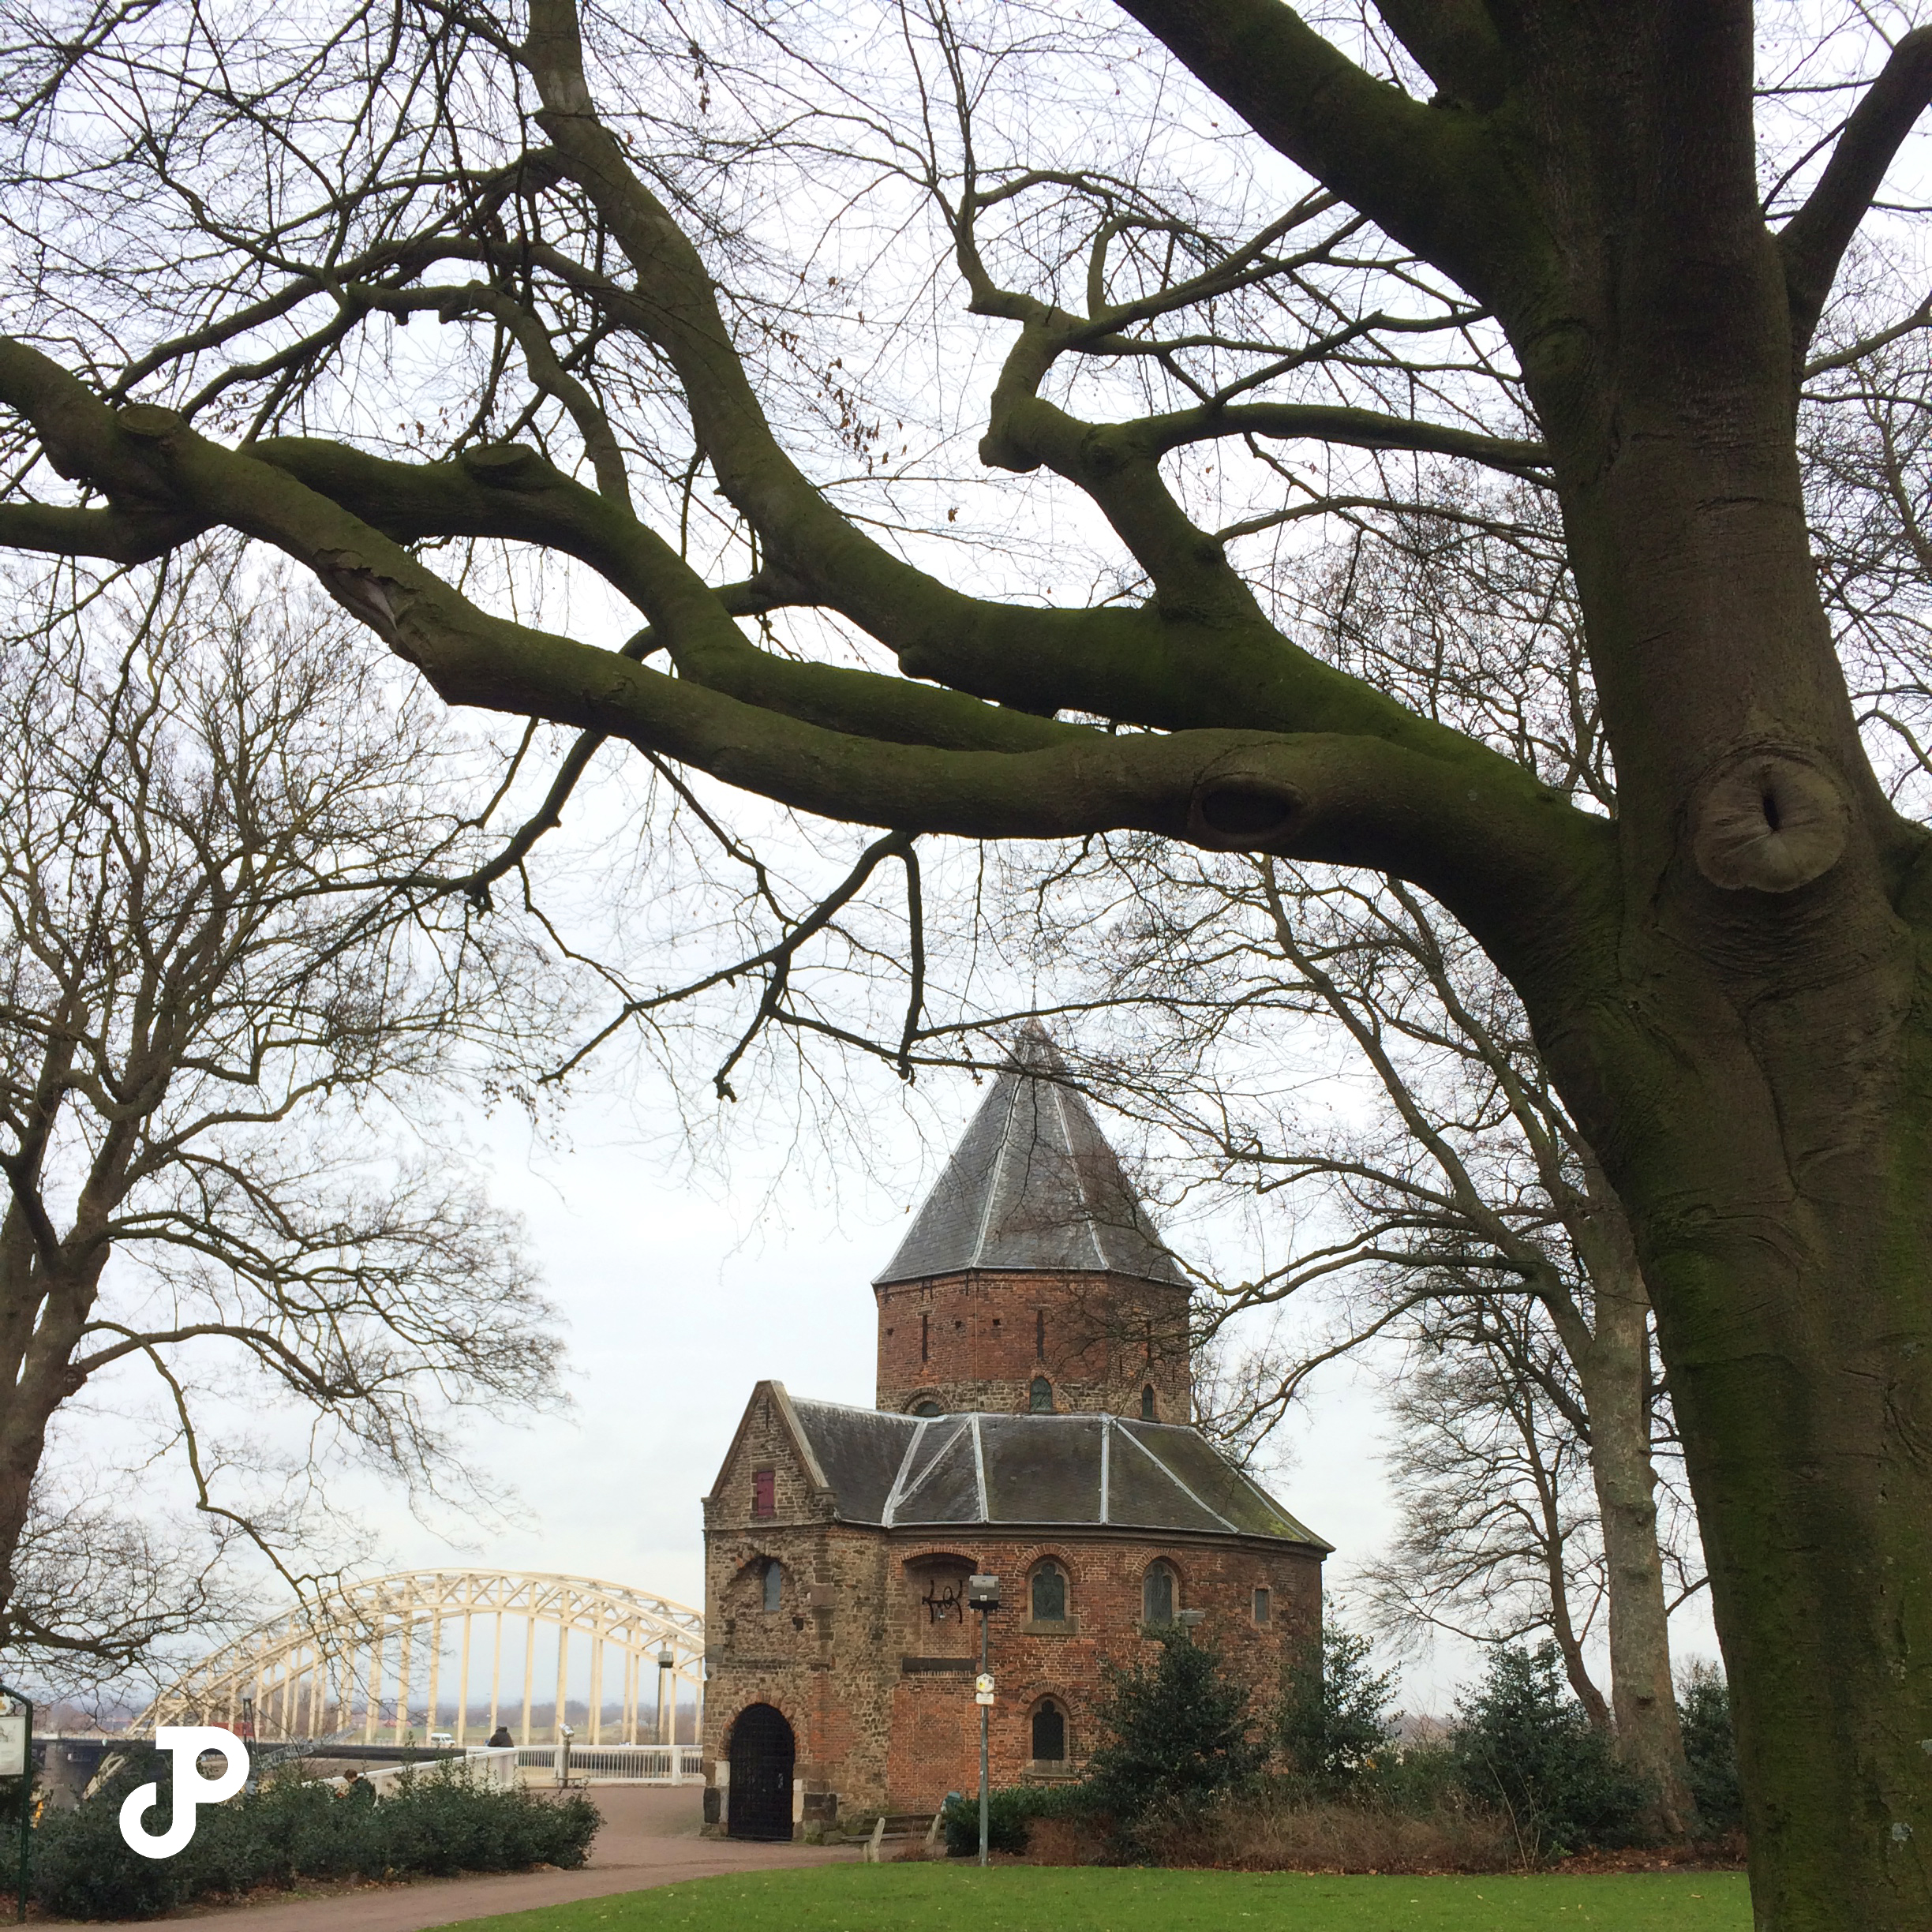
(761, 1751)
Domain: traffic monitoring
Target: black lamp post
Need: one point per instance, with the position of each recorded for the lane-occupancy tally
(982, 1595)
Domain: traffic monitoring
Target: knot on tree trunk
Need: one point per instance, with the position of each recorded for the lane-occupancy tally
(1769, 819)
(1239, 811)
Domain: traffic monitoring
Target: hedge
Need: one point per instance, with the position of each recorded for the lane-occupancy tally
(433, 1823)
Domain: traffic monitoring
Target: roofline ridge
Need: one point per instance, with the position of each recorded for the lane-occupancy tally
(1090, 1213)
(826, 1402)
(1198, 1501)
(898, 1484)
(995, 1167)
(782, 1401)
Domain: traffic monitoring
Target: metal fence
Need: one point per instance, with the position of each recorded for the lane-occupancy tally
(615, 1763)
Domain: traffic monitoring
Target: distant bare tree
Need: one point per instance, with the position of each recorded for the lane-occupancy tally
(233, 978)
(1494, 1538)
(1461, 1214)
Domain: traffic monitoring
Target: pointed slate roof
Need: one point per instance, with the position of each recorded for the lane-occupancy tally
(1033, 1184)
(980, 1470)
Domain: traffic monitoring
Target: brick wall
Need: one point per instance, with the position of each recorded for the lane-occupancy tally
(977, 1341)
(874, 1673)
(819, 1659)
(935, 1723)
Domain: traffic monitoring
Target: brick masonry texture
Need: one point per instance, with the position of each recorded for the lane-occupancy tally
(978, 1340)
(861, 1612)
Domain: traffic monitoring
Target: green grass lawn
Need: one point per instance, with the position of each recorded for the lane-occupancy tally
(1016, 1898)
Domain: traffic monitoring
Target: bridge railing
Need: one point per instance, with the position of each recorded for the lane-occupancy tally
(616, 1764)
(479, 1764)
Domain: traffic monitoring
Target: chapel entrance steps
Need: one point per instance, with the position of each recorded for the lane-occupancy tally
(899, 1828)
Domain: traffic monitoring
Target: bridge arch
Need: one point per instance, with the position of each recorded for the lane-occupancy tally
(373, 1659)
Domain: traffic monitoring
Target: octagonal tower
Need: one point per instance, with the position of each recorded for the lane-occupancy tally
(1031, 1279)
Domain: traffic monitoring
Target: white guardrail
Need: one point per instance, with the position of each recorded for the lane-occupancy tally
(479, 1764)
(613, 1764)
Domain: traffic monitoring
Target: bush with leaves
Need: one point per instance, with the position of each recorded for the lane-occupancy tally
(434, 1823)
(1523, 1744)
(1010, 1814)
(1710, 1748)
(1180, 1734)
(1335, 1717)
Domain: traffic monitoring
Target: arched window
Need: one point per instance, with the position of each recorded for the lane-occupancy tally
(1049, 1734)
(1146, 1403)
(927, 1407)
(1157, 1594)
(1040, 1397)
(774, 1577)
(1050, 1594)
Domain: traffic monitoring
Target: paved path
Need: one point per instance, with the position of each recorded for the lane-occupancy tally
(649, 1838)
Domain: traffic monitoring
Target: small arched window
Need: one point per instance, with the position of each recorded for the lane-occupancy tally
(1050, 1594)
(927, 1407)
(1146, 1403)
(1049, 1734)
(1040, 1397)
(1157, 1595)
(774, 1579)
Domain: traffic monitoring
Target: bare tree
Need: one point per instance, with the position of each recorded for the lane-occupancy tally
(229, 987)
(1577, 248)
(1464, 1193)
(1494, 1538)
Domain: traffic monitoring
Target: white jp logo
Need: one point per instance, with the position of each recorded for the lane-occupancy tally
(186, 1742)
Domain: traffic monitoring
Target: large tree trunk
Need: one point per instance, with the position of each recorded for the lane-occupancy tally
(1746, 1041)
(1755, 1069)
(1801, 1377)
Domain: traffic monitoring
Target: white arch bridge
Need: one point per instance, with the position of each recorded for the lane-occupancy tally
(396, 1658)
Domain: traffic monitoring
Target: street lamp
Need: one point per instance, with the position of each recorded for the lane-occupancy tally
(667, 1720)
(982, 1595)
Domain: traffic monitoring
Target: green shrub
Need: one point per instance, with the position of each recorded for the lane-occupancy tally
(1523, 1744)
(1417, 1781)
(1335, 1718)
(1180, 1734)
(433, 1822)
(1710, 1749)
(1010, 1813)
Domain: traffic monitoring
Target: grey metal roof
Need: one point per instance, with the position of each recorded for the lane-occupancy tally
(1033, 1184)
(902, 1472)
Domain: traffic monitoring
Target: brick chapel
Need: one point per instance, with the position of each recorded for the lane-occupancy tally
(1033, 1421)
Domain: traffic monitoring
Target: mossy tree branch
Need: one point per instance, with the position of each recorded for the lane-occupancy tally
(1474, 831)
